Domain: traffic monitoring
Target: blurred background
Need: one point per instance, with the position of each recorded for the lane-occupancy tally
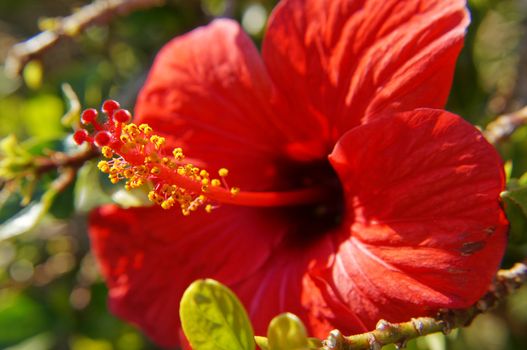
(51, 294)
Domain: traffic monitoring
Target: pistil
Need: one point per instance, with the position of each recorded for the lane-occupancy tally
(140, 157)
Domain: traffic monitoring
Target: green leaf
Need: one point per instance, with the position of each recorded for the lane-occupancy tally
(88, 191)
(522, 181)
(37, 342)
(287, 332)
(262, 342)
(436, 341)
(314, 343)
(32, 74)
(214, 319)
(214, 7)
(508, 170)
(518, 196)
(29, 217)
(22, 317)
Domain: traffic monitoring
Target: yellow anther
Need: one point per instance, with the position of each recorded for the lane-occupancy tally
(138, 182)
(145, 129)
(104, 166)
(124, 139)
(107, 152)
(158, 141)
(152, 196)
(152, 158)
(140, 160)
(141, 170)
(128, 173)
(167, 204)
(178, 153)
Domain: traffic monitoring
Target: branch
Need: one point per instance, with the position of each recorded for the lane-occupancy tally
(59, 160)
(505, 125)
(98, 12)
(505, 283)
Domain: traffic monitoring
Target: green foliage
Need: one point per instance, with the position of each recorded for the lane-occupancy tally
(518, 196)
(212, 317)
(516, 189)
(287, 332)
(14, 323)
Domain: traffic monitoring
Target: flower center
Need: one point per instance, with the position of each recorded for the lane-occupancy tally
(140, 157)
(311, 220)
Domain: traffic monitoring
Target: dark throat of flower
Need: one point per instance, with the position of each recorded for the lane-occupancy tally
(136, 155)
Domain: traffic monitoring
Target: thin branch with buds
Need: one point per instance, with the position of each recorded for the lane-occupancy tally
(98, 12)
(506, 282)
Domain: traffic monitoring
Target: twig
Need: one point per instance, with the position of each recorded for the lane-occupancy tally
(98, 12)
(59, 160)
(385, 332)
(505, 125)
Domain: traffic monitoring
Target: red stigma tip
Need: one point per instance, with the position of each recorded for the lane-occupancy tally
(122, 116)
(109, 106)
(80, 136)
(88, 116)
(102, 138)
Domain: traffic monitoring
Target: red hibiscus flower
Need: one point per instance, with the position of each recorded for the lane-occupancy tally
(359, 200)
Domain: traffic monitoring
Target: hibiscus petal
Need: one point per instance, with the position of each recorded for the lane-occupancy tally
(209, 93)
(281, 284)
(339, 63)
(425, 229)
(149, 256)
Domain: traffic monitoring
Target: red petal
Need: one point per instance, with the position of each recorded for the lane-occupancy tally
(149, 257)
(428, 230)
(208, 92)
(282, 283)
(340, 62)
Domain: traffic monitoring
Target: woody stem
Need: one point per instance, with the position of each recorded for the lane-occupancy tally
(506, 282)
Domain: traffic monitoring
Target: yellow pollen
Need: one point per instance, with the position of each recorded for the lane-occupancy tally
(104, 166)
(145, 128)
(124, 138)
(158, 141)
(142, 158)
(107, 152)
(128, 173)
